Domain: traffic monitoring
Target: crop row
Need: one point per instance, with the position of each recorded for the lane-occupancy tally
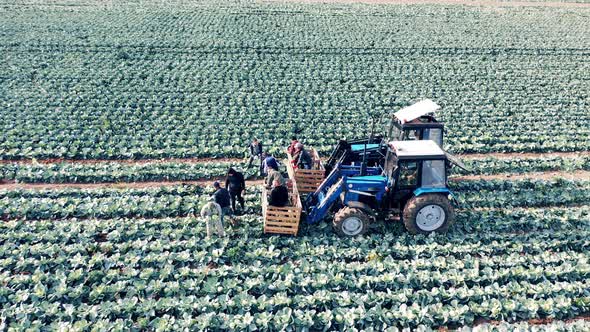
(502, 227)
(180, 171)
(490, 166)
(185, 200)
(480, 261)
(106, 172)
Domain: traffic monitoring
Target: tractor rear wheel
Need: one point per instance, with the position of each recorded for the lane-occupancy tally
(351, 222)
(428, 213)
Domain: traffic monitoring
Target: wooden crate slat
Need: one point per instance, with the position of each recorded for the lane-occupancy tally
(283, 220)
(291, 218)
(281, 231)
(281, 216)
(281, 225)
(279, 209)
(274, 228)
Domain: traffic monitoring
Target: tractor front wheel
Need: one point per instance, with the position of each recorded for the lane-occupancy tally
(351, 222)
(428, 213)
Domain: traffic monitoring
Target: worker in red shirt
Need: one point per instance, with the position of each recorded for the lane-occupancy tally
(291, 148)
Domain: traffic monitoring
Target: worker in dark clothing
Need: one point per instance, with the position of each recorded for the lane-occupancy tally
(222, 197)
(279, 195)
(235, 184)
(255, 153)
(301, 158)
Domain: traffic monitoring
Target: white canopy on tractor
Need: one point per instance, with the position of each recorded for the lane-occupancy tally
(416, 110)
(409, 149)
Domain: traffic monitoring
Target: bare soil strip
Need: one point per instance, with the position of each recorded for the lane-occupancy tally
(527, 155)
(534, 321)
(479, 3)
(243, 160)
(125, 161)
(117, 185)
(576, 175)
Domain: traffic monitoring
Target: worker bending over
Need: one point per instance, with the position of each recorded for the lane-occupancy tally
(211, 212)
(279, 195)
(301, 158)
(222, 197)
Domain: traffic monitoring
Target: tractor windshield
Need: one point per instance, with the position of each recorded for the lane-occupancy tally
(408, 174)
(394, 133)
(434, 134)
(433, 174)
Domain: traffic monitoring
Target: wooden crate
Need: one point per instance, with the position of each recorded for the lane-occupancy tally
(282, 220)
(308, 180)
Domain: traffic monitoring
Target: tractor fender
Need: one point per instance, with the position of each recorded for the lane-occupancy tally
(424, 190)
(444, 191)
(363, 207)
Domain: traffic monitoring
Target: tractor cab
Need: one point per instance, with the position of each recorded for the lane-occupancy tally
(416, 122)
(413, 168)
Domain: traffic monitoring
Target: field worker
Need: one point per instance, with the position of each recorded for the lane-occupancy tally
(211, 212)
(273, 173)
(255, 152)
(301, 158)
(263, 167)
(291, 148)
(222, 197)
(236, 185)
(279, 195)
(264, 164)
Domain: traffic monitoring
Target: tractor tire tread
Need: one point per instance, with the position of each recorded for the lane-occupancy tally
(348, 212)
(416, 203)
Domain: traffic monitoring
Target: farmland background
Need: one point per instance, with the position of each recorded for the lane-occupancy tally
(88, 80)
(171, 92)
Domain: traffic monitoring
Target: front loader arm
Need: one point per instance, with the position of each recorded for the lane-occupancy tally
(324, 201)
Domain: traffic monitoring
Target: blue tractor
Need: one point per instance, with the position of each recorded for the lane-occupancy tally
(412, 183)
(415, 122)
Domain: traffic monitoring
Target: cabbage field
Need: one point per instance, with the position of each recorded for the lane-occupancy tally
(514, 255)
(116, 116)
(141, 80)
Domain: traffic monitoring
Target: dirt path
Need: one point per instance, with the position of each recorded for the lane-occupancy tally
(534, 321)
(119, 185)
(481, 3)
(527, 155)
(242, 160)
(125, 161)
(577, 175)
